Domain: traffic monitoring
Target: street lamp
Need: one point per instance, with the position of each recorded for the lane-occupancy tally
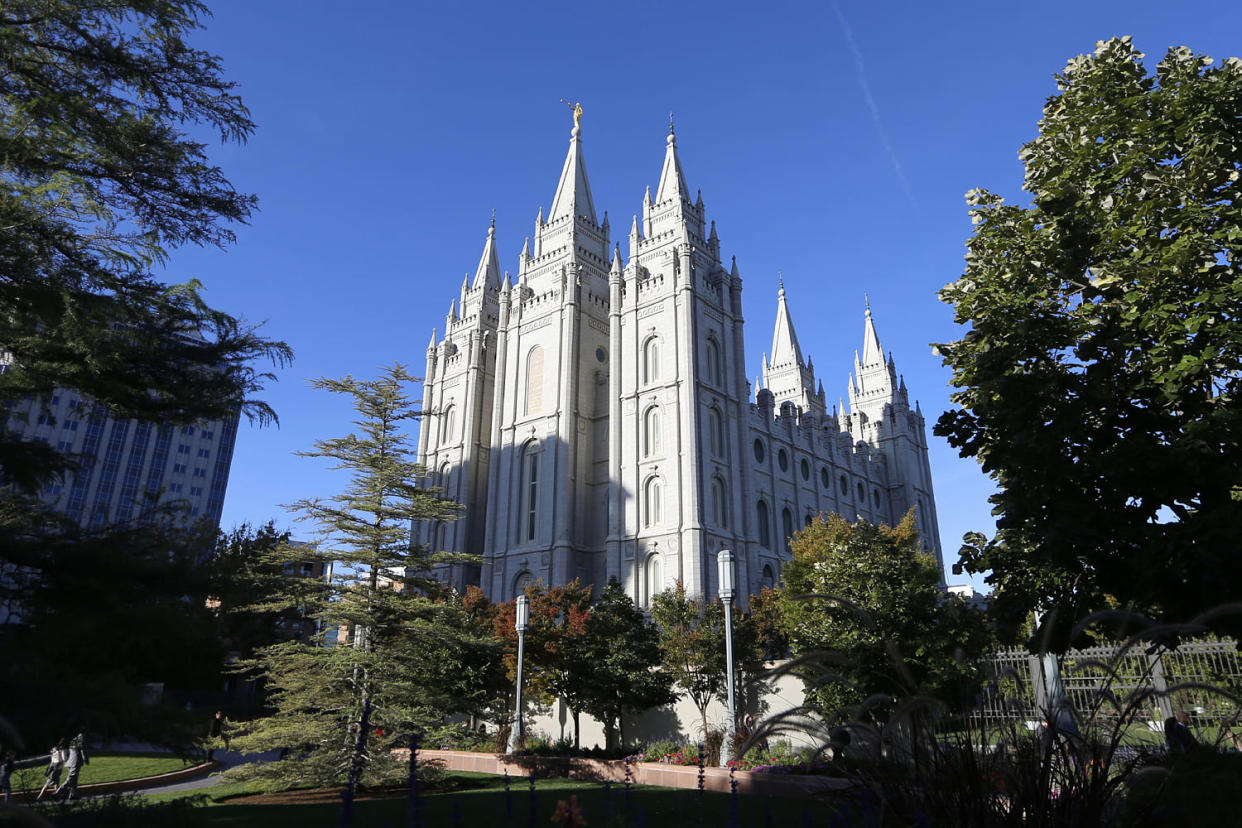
(521, 621)
(724, 562)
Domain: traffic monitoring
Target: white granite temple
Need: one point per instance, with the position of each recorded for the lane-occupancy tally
(595, 418)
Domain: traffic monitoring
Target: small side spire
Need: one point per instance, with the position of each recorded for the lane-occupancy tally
(488, 272)
(617, 267)
(432, 344)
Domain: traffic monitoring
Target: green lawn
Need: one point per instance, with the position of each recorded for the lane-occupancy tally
(487, 805)
(107, 767)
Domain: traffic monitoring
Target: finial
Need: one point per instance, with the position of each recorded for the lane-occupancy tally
(493, 220)
(670, 123)
(780, 277)
(867, 300)
(576, 106)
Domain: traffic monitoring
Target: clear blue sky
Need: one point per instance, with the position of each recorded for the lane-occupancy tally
(832, 142)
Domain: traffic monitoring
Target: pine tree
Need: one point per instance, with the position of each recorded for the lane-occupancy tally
(378, 663)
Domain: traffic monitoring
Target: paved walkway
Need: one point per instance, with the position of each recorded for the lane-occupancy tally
(226, 758)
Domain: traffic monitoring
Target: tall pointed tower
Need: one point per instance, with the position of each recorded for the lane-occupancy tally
(786, 374)
(880, 415)
(548, 490)
(457, 396)
(678, 391)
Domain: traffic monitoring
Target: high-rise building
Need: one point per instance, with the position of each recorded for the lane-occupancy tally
(595, 417)
(127, 468)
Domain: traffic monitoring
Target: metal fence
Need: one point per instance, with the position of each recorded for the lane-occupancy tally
(1102, 682)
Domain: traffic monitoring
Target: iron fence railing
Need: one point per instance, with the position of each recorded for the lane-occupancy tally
(1141, 681)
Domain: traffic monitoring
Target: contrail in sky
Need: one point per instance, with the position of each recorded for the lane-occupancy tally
(861, 72)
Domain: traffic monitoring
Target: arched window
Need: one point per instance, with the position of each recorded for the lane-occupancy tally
(787, 525)
(521, 582)
(446, 426)
(651, 360)
(653, 501)
(715, 430)
(720, 504)
(528, 514)
(769, 578)
(765, 526)
(446, 478)
(651, 431)
(655, 579)
(534, 380)
(713, 361)
(442, 537)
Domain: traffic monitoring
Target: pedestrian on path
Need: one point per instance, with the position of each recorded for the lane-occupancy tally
(56, 760)
(73, 766)
(219, 732)
(6, 774)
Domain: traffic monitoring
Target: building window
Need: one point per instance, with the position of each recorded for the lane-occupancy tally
(200, 472)
(196, 491)
(759, 454)
(188, 430)
(825, 478)
(788, 525)
(651, 360)
(182, 448)
(70, 425)
(845, 485)
(862, 494)
(521, 582)
(806, 470)
(720, 504)
(875, 496)
(442, 537)
(715, 428)
(713, 361)
(765, 526)
(653, 502)
(534, 380)
(208, 435)
(446, 426)
(782, 460)
(651, 431)
(529, 513)
(178, 468)
(769, 578)
(655, 579)
(204, 452)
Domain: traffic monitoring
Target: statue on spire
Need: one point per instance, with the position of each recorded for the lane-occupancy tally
(576, 106)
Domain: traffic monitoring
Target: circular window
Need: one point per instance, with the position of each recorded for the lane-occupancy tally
(862, 494)
(758, 451)
(806, 470)
(845, 485)
(601, 355)
(783, 459)
(825, 478)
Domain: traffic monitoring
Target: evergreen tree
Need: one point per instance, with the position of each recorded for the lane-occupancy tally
(379, 665)
(100, 183)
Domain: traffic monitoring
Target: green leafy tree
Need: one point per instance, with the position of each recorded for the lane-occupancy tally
(386, 670)
(864, 602)
(1099, 380)
(100, 182)
(692, 646)
(618, 656)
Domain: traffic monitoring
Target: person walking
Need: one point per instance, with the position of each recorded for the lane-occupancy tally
(218, 733)
(73, 766)
(6, 774)
(56, 760)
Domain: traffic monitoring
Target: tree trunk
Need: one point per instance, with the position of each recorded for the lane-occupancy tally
(577, 731)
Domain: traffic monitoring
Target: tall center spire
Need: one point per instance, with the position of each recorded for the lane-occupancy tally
(573, 191)
(672, 180)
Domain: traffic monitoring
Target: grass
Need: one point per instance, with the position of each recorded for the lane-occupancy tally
(107, 767)
(480, 799)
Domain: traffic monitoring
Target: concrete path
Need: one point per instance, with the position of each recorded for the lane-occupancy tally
(226, 758)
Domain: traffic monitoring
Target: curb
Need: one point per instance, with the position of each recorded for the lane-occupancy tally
(122, 785)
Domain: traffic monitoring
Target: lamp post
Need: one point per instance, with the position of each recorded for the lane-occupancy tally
(724, 562)
(521, 621)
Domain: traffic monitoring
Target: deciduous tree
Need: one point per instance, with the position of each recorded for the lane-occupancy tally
(1099, 379)
(864, 601)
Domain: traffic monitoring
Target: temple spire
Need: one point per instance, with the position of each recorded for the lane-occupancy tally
(488, 272)
(672, 180)
(573, 191)
(872, 352)
(785, 349)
